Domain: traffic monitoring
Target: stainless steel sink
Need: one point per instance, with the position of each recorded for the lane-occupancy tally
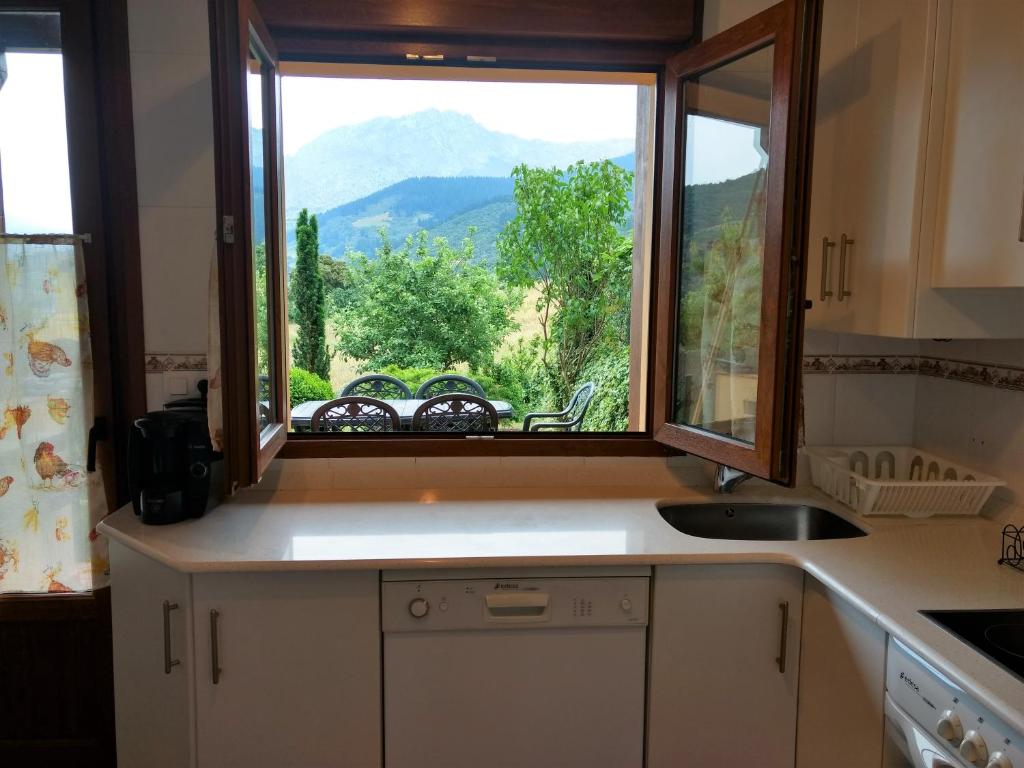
(757, 522)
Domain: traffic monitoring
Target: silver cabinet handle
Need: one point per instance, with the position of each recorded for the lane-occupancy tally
(826, 284)
(168, 661)
(783, 636)
(214, 648)
(1020, 232)
(844, 251)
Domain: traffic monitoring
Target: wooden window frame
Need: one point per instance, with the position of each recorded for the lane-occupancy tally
(784, 26)
(391, 47)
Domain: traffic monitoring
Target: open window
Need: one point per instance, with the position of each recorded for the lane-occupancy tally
(700, 244)
(737, 124)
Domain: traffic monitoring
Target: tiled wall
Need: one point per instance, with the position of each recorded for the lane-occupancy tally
(170, 69)
(963, 400)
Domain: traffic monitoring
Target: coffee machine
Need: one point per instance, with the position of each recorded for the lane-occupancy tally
(170, 465)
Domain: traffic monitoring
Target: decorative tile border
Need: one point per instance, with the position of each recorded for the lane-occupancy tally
(160, 362)
(966, 371)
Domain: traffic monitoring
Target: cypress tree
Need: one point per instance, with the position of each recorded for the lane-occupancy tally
(310, 348)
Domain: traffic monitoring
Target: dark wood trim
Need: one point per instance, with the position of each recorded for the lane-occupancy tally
(56, 607)
(124, 262)
(641, 21)
(538, 53)
(316, 446)
(785, 26)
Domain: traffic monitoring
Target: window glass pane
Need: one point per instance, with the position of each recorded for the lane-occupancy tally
(492, 234)
(727, 113)
(255, 82)
(35, 189)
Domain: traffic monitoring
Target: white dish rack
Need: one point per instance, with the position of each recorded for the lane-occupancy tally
(899, 480)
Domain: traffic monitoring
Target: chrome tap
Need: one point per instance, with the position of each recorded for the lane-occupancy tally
(727, 478)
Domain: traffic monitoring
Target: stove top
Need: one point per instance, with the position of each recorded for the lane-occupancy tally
(998, 634)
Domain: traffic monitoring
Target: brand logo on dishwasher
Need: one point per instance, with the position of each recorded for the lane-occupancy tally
(513, 585)
(909, 682)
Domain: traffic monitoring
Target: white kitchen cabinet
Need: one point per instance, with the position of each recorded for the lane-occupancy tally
(288, 670)
(900, 176)
(842, 684)
(979, 233)
(724, 659)
(151, 609)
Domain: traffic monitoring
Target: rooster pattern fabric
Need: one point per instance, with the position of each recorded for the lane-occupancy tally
(48, 503)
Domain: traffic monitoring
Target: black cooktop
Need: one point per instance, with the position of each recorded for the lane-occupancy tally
(998, 634)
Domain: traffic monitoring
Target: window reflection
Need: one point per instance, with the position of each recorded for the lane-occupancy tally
(727, 114)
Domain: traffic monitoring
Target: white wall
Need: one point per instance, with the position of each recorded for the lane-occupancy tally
(169, 44)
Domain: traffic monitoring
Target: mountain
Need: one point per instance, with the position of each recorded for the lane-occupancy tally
(446, 207)
(352, 162)
(409, 206)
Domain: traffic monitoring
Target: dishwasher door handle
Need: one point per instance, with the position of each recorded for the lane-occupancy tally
(518, 607)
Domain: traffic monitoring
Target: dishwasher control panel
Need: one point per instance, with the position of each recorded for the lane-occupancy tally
(495, 603)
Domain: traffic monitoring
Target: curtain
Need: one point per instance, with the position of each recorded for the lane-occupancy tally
(49, 504)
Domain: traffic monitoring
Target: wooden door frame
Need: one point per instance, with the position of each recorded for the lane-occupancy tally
(98, 89)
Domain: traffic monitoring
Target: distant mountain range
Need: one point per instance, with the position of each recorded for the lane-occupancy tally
(444, 206)
(353, 162)
(443, 172)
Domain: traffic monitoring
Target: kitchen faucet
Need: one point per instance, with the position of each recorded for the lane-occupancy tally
(727, 478)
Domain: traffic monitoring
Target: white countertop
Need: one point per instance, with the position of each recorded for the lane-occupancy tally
(901, 567)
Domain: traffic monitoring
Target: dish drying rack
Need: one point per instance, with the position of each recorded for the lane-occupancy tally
(899, 480)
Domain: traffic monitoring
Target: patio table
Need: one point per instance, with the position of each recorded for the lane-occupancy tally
(303, 412)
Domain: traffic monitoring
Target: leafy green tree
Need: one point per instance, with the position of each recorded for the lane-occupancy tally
(337, 282)
(565, 238)
(262, 329)
(310, 348)
(423, 307)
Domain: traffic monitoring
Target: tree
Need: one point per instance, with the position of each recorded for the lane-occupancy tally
(425, 308)
(310, 348)
(565, 239)
(337, 282)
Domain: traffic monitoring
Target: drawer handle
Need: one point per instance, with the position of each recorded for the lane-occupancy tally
(826, 284)
(169, 663)
(844, 251)
(214, 648)
(518, 606)
(783, 636)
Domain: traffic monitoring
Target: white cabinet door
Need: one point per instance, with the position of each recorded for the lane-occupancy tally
(842, 684)
(151, 609)
(981, 183)
(299, 680)
(869, 163)
(718, 694)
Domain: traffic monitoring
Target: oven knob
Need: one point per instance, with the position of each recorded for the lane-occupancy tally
(999, 760)
(419, 607)
(973, 749)
(949, 727)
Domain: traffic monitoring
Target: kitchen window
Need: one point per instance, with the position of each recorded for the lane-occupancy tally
(709, 208)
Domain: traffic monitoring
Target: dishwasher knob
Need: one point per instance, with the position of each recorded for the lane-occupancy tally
(999, 760)
(419, 607)
(949, 727)
(973, 749)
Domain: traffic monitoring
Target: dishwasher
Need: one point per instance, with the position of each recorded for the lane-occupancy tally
(500, 671)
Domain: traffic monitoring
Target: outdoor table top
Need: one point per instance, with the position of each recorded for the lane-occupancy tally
(303, 412)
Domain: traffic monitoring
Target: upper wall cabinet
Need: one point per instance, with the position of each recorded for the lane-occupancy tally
(918, 166)
(979, 236)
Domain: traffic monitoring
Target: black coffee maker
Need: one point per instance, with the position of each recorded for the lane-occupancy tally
(170, 464)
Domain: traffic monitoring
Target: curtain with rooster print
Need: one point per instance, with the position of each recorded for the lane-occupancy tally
(48, 504)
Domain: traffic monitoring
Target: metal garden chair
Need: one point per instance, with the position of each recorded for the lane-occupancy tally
(378, 385)
(570, 419)
(355, 414)
(455, 413)
(449, 383)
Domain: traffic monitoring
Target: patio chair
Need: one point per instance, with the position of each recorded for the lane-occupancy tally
(455, 413)
(449, 383)
(355, 414)
(570, 419)
(378, 385)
